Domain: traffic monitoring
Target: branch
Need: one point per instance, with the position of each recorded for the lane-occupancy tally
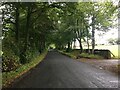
(9, 21)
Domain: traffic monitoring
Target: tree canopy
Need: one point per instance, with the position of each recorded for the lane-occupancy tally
(30, 27)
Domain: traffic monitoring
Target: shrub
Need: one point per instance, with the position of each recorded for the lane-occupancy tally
(10, 44)
(27, 56)
(75, 52)
(10, 61)
(10, 56)
(68, 50)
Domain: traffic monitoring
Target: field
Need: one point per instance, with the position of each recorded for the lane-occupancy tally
(113, 48)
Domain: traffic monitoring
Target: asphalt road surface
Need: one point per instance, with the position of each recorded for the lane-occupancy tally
(59, 71)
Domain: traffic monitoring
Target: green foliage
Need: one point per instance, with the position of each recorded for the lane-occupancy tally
(76, 54)
(29, 55)
(68, 54)
(73, 53)
(90, 56)
(10, 43)
(10, 61)
(25, 29)
(9, 77)
(10, 58)
(29, 28)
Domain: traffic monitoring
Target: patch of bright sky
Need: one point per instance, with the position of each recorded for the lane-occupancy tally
(103, 38)
(112, 33)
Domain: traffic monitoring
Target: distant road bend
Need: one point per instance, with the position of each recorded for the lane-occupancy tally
(59, 71)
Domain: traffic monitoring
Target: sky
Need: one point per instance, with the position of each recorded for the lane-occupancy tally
(113, 33)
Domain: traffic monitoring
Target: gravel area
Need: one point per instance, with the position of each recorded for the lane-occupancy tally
(112, 65)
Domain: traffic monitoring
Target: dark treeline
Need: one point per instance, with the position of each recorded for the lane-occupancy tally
(26, 27)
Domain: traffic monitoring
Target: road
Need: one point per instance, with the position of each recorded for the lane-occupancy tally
(59, 71)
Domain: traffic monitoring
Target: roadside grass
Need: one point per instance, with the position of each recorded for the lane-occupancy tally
(9, 77)
(75, 54)
(68, 54)
(90, 56)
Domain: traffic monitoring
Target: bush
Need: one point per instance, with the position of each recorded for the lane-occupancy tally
(75, 52)
(10, 56)
(10, 61)
(27, 56)
(9, 77)
(68, 50)
(10, 44)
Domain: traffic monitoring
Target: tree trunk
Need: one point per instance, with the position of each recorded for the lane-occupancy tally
(68, 45)
(40, 47)
(27, 26)
(71, 45)
(23, 55)
(93, 34)
(17, 22)
(17, 27)
(74, 44)
(44, 45)
(68, 49)
(80, 44)
(88, 45)
(88, 42)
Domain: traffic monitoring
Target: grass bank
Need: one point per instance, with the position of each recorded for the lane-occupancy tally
(68, 54)
(9, 77)
(75, 54)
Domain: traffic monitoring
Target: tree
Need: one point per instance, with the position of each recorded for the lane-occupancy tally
(29, 28)
(24, 26)
(101, 18)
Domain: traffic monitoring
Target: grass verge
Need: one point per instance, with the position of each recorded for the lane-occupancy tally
(9, 77)
(90, 56)
(68, 54)
(76, 54)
